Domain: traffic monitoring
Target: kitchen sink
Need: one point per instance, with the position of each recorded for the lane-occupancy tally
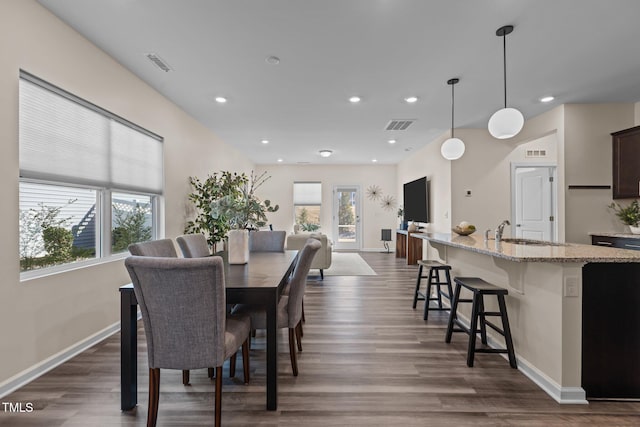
(532, 242)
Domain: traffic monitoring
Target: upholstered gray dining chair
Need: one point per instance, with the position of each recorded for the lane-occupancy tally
(289, 306)
(267, 241)
(185, 321)
(193, 245)
(159, 248)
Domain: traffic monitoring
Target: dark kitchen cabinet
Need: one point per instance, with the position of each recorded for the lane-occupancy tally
(626, 163)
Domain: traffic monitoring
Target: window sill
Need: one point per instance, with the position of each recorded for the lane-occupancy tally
(65, 268)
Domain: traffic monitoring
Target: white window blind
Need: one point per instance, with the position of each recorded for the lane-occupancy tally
(307, 193)
(67, 139)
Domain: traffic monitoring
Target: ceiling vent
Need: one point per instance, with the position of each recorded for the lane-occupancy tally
(398, 124)
(158, 62)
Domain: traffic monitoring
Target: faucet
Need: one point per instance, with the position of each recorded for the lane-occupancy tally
(500, 229)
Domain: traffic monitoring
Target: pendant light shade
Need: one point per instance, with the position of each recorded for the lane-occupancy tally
(452, 148)
(506, 122)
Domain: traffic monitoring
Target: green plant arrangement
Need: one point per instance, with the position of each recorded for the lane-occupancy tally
(225, 201)
(629, 215)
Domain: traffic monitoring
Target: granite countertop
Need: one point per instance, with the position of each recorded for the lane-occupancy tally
(612, 234)
(540, 252)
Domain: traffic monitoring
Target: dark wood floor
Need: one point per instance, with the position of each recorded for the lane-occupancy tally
(368, 360)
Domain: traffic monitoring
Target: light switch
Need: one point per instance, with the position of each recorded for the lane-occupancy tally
(571, 288)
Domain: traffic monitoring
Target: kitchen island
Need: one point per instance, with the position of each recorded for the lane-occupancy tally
(572, 309)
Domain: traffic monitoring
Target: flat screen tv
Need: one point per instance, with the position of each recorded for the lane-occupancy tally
(416, 200)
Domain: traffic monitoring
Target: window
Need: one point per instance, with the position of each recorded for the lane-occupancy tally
(307, 202)
(89, 180)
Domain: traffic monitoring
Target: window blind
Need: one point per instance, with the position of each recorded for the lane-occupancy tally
(63, 139)
(307, 193)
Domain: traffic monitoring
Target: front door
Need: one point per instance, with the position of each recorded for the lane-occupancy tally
(533, 202)
(346, 217)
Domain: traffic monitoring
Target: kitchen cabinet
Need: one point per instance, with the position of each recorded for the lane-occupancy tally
(626, 163)
(632, 243)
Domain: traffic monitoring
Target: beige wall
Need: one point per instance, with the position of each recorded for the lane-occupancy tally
(279, 189)
(44, 316)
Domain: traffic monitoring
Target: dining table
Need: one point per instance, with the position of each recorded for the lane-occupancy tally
(258, 282)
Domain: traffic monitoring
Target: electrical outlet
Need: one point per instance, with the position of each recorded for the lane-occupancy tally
(571, 288)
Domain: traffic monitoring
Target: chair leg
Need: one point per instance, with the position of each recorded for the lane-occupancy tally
(185, 377)
(415, 293)
(453, 314)
(210, 372)
(154, 395)
(245, 360)
(321, 274)
(232, 365)
(218, 398)
(292, 352)
(303, 319)
(298, 330)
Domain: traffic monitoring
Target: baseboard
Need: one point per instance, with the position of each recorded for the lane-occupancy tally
(563, 395)
(30, 374)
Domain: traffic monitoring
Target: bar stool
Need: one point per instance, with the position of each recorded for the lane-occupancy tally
(480, 288)
(435, 268)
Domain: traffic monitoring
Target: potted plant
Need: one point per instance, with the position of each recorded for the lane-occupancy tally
(629, 215)
(403, 224)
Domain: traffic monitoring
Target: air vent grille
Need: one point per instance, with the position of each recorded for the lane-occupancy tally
(536, 153)
(158, 62)
(399, 124)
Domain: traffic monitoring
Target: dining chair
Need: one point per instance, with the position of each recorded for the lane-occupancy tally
(289, 306)
(193, 331)
(267, 241)
(193, 245)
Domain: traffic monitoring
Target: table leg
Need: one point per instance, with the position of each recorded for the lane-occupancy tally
(272, 352)
(128, 352)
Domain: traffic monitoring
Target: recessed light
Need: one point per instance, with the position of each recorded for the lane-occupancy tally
(547, 98)
(280, 160)
(325, 153)
(411, 99)
(265, 141)
(354, 99)
(392, 141)
(273, 60)
(374, 160)
(221, 99)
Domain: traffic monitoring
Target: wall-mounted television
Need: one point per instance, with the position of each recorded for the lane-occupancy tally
(416, 200)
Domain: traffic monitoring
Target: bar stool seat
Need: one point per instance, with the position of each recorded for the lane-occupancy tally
(480, 288)
(433, 279)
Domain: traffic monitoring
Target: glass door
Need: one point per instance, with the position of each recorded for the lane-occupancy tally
(346, 217)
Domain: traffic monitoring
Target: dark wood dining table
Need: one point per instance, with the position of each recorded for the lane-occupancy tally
(259, 282)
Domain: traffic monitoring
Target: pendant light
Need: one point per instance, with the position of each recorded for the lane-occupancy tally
(452, 148)
(506, 122)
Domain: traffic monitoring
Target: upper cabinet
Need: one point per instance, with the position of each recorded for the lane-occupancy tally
(626, 163)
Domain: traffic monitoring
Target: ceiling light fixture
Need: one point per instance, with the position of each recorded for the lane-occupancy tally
(392, 141)
(265, 141)
(374, 160)
(547, 98)
(326, 153)
(452, 148)
(506, 122)
(411, 99)
(280, 160)
(272, 59)
(221, 99)
(354, 99)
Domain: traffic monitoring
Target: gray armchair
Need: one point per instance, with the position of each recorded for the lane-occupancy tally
(267, 241)
(184, 314)
(290, 306)
(193, 245)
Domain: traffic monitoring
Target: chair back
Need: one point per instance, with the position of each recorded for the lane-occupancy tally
(267, 241)
(193, 245)
(158, 248)
(298, 281)
(183, 309)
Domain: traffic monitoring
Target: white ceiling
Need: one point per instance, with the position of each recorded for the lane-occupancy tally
(580, 51)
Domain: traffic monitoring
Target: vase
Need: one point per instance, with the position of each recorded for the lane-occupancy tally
(412, 228)
(634, 230)
(238, 246)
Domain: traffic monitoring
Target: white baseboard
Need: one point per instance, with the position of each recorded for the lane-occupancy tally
(35, 371)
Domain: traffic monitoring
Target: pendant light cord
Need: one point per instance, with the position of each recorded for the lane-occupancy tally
(453, 100)
(504, 62)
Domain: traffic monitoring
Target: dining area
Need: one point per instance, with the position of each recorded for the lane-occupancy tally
(199, 308)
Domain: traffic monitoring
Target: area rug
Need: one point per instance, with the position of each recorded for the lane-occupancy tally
(348, 264)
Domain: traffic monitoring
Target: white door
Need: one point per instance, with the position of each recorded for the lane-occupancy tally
(346, 217)
(533, 202)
